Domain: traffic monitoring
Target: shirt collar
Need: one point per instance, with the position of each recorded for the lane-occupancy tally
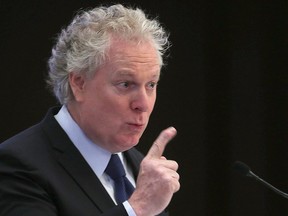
(95, 156)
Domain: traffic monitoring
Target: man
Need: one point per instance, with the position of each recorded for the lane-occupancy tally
(104, 70)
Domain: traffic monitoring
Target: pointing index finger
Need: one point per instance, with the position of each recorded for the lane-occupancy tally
(160, 143)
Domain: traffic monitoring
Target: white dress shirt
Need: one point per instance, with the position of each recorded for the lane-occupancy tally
(90, 151)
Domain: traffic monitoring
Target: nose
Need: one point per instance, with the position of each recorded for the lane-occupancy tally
(141, 100)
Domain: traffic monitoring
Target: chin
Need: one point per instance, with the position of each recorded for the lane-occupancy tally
(130, 143)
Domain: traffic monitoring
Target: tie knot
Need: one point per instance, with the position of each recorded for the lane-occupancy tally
(115, 168)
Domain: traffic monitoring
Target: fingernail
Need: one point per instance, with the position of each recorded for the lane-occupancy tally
(172, 129)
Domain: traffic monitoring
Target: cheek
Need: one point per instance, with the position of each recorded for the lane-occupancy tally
(110, 107)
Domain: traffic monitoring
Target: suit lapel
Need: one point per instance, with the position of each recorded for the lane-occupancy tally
(83, 175)
(74, 164)
(134, 159)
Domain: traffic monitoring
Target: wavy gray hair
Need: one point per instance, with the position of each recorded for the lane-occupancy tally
(81, 47)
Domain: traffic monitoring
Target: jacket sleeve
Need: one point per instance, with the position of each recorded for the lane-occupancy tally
(19, 193)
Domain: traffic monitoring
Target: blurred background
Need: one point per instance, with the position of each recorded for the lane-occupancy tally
(224, 89)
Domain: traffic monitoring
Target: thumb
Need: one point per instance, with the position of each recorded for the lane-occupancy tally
(160, 143)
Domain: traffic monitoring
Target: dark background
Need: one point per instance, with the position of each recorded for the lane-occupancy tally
(224, 89)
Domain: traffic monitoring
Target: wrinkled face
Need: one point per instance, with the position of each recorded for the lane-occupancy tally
(113, 108)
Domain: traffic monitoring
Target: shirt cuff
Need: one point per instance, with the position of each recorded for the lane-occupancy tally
(129, 208)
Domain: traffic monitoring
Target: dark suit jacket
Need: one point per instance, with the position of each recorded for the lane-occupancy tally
(43, 174)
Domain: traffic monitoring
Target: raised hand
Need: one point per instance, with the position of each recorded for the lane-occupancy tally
(158, 179)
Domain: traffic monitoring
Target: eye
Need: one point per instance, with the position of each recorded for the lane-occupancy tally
(152, 85)
(125, 84)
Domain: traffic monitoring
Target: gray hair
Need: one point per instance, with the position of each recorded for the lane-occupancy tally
(82, 46)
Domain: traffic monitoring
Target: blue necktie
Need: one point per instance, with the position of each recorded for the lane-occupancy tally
(123, 188)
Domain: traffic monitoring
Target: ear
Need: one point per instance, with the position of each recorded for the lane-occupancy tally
(77, 84)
